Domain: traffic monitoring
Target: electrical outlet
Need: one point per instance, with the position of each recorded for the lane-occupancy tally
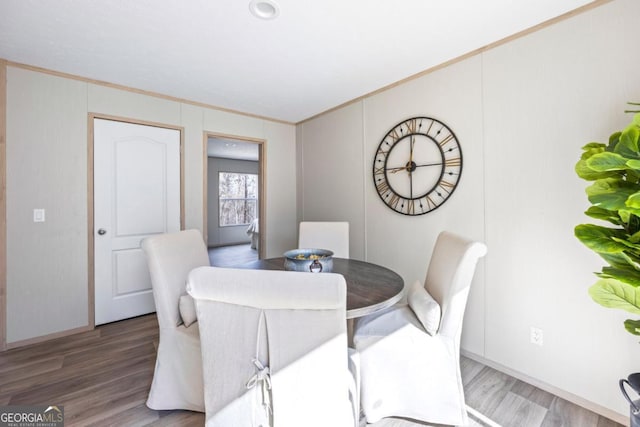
(38, 215)
(536, 336)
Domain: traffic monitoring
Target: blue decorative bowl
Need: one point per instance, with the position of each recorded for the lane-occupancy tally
(309, 260)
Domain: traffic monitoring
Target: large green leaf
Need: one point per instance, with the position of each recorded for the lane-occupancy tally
(631, 259)
(626, 275)
(592, 148)
(633, 326)
(633, 201)
(614, 138)
(616, 146)
(605, 162)
(633, 164)
(628, 216)
(610, 193)
(617, 260)
(621, 260)
(597, 146)
(612, 293)
(631, 135)
(603, 214)
(633, 247)
(588, 174)
(625, 216)
(600, 239)
(628, 144)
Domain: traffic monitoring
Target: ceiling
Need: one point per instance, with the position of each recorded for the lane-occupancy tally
(312, 57)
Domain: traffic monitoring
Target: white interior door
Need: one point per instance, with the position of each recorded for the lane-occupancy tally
(136, 194)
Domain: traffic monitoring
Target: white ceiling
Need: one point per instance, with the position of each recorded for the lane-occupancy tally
(311, 58)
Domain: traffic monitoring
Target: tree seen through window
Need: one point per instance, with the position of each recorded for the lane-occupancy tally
(238, 195)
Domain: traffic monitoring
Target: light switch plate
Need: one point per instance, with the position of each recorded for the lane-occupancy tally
(38, 215)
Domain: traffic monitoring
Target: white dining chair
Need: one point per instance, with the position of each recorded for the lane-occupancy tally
(274, 348)
(177, 380)
(410, 354)
(331, 235)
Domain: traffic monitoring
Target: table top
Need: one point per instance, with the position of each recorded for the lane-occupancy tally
(370, 287)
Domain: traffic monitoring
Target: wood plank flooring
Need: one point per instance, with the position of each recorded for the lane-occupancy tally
(511, 402)
(102, 378)
(229, 256)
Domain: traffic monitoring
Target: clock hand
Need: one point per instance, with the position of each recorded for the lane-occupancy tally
(398, 169)
(429, 164)
(410, 166)
(411, 150)
(411, 182)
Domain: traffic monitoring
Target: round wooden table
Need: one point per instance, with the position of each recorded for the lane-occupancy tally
(370, 287)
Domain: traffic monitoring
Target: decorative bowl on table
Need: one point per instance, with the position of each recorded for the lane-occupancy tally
(309, 260)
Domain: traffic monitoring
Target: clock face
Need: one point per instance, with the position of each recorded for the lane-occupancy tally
(417, 166)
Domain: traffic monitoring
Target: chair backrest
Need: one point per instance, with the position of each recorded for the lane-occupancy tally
(293, 323)
(170, 258)
(449, 276)
(333, 235)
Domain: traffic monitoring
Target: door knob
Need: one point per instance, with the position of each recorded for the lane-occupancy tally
(102, 231)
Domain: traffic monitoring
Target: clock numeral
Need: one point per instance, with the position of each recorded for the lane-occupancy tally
(394, 135)
(430, 203)
(383, 187)
(430, 126)
(394, 201)
(379, 171)
(411, 207)
(455, 161)
(412, 126)
(445, 140)
(446, 186)
(382, 152)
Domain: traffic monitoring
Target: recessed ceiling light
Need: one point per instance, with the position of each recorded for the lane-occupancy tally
(264, 9)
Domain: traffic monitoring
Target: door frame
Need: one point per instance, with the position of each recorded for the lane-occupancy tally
(90, 196)
(262, 187)
(3, 205)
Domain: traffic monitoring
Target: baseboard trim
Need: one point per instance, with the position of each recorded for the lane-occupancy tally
(580, 401)
(48, 337)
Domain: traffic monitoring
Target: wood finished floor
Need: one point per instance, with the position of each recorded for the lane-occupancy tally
(229, 256)
(102, 378)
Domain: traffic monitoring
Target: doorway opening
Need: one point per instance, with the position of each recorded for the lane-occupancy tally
(234, 199)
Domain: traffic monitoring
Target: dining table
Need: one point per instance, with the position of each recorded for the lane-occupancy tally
(370, 287)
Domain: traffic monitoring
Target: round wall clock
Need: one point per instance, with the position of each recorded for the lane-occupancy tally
(417, 166)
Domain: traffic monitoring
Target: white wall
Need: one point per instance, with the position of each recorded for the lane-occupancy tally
(331, 187)
(229, 235)
(521, 112)
(47, 115)
(46, 168)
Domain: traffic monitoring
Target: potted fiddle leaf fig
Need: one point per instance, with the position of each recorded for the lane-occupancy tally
(614, 170)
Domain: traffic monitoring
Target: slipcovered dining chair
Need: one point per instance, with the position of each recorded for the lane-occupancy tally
(177, 380)
(274, 348)
(410, 354)
(333, 235)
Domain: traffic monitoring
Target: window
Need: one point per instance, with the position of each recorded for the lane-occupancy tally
(238, 195)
